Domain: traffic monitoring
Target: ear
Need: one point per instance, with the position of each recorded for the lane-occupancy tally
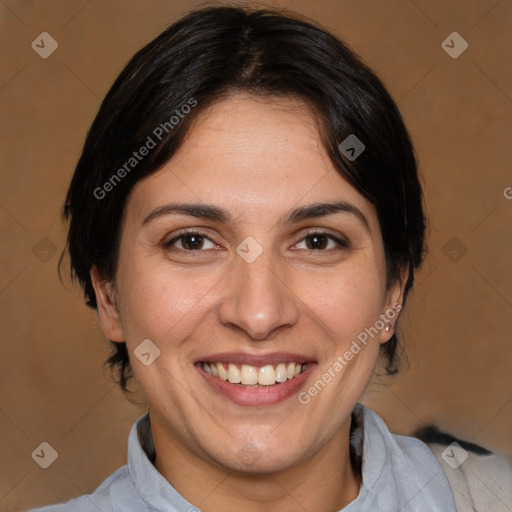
(107, 308)
(393, 304)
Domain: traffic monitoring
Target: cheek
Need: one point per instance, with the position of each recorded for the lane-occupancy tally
(159, 303)
(348, 300)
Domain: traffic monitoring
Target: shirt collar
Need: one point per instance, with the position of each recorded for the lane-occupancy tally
(398, 473)
(156, 492)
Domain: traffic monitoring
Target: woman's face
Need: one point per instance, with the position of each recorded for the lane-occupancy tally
(248, 249)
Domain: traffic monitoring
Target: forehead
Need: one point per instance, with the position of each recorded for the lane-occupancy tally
(260, 156)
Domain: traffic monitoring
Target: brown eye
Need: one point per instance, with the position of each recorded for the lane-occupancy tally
(317, 242)
(190, 242)
(321, 242)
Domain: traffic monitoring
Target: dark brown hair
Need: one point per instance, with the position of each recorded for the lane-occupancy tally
(218, 50)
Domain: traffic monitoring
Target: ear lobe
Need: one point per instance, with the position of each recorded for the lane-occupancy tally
(108, 313)
(393, 304)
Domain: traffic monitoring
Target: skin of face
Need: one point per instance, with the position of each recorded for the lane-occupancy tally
(257, 159)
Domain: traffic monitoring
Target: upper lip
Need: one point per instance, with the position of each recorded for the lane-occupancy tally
(255, 359)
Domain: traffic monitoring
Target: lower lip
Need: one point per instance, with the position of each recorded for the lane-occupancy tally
(265, 395)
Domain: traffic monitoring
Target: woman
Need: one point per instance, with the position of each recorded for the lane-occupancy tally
(246, 218)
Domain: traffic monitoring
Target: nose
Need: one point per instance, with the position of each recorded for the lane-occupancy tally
(258, 299)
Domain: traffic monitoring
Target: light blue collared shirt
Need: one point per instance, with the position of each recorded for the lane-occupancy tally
(399, 474)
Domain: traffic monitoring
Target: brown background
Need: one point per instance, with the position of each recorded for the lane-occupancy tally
(457, 327)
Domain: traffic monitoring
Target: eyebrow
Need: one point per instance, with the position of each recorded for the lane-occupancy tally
(201, 211)
(208, 212)
(321, 210)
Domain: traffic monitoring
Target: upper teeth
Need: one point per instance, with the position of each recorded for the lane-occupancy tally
(250, 375)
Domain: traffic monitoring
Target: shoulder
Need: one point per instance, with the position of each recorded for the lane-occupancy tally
(480, 480)
(105, 498)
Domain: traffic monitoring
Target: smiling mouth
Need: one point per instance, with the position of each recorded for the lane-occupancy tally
(253, 376)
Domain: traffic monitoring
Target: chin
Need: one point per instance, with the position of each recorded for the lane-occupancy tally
(252, 462)
(257, 458)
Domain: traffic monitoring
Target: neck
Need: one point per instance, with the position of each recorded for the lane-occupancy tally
(325, 481)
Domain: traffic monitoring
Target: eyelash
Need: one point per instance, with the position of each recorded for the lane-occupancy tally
(167, 245)
(342, 243)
